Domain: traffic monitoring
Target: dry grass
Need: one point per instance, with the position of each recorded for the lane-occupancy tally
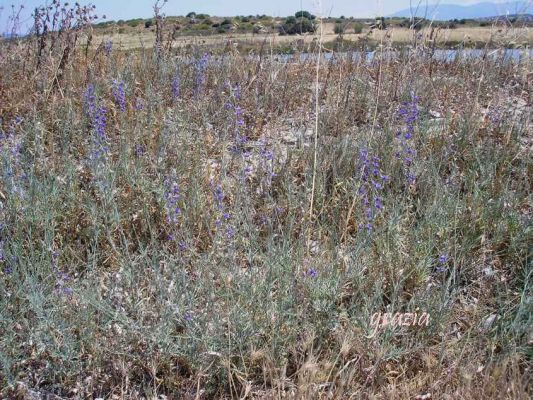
(249, 290)
(395, 37)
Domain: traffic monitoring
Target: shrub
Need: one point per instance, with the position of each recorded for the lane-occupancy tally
(134, 22)
(304, 14)
(339, 29)
(380, 23)
(148, 24)
(358, 28)
(297, 27)
(290, 20)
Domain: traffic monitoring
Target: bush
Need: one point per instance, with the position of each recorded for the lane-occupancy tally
(339, 29)
(380, 23)
(191, 15)
(133, 23)
(290, 20)
(148, 24)
(358, 28)
(293, 26)
(302, 22)
(304, 14)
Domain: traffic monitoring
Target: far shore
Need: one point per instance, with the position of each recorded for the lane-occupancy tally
(468, 37)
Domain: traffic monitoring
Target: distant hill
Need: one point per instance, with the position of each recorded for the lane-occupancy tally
(445, 12)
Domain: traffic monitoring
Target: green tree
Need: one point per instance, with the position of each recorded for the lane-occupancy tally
(304, 14)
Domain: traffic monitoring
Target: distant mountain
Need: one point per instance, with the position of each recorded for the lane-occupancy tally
(444, 12)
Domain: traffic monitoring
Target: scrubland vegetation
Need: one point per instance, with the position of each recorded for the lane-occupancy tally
(177, 224)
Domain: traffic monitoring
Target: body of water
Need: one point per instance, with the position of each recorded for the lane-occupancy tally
(516, 55)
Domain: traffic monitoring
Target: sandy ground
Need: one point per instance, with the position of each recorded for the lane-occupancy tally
(146, 38)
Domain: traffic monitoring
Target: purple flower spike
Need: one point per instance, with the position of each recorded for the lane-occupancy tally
(108, 47)
(408, 112)
(119, 93)
(172, 196)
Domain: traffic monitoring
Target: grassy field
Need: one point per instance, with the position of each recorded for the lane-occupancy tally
(494, 37)
(179, 225)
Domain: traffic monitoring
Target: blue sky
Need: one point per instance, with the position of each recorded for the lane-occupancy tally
(128, 9)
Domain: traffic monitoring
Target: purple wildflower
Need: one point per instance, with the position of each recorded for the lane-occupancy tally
(8, 269)
(176, 86)
(372, 180)
(441, 263)
(223, 216)
(62, 278)
(495, 114)
(201, 67)
(140, 150)
(100, 141)
(230, 232)
(312, 272)
(119, 93)
(408, 113)
(108, 47)
(267, 162)
(139, 104)
(96, 115)
(219, 197)
(97, 120)
(89, 101)
(172, 196)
